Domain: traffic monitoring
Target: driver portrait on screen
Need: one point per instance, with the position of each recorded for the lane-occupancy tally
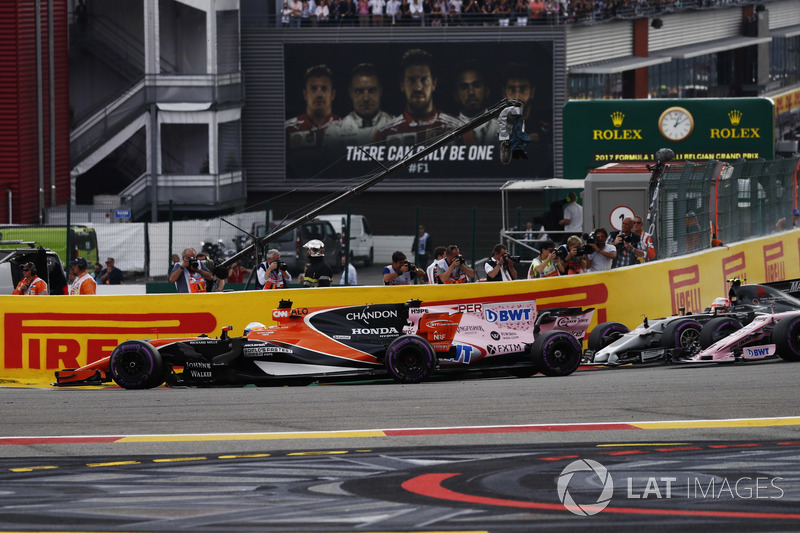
(306, 131)
(420, 121)
(359, 126)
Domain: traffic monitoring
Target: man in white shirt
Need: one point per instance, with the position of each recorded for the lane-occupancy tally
(350, 271)
(573, 216)
(603, 255)
(392, 7)
(500, 267)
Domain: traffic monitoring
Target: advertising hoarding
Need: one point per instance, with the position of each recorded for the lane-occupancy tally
(614, 131)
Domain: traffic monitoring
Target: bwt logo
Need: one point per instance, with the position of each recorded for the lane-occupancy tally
(507, 315)
(774, 267)
(63, 340)
(684, 286)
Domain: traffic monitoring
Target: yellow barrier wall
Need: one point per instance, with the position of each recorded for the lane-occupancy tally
(42, 334)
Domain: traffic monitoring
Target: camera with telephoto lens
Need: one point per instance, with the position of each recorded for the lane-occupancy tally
(511, 258)
(633, 239)
(281, 264)
(584, 250)
(460, 260)
(193, 262)
(411, 266)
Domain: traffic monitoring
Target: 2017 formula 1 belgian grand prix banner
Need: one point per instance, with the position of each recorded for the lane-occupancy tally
(351, 108)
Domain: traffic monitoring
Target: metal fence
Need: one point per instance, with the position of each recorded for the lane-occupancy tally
(705, 204)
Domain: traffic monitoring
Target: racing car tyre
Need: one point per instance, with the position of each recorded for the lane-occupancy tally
(410, 359)
(681, 334)
(786, 337)
(717, 329)
(556, 353)
(136, 365)
(604, 334)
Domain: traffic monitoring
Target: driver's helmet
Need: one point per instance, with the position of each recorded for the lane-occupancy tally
(720, 305)
(316, 248)
(253, 326)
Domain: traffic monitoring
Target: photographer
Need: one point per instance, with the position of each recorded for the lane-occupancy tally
(572, 256)
(603, 253)
(272, 273)
(453, 268)
(628, 245)
(546, 265)
(501, 266)
(190, 275)
(400, 271)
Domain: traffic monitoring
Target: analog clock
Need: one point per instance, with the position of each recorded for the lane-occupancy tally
(676, 124)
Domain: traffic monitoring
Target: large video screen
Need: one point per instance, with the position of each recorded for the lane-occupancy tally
(354, 107)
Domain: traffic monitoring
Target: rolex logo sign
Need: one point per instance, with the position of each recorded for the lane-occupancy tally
(735, 132)
(617, 134)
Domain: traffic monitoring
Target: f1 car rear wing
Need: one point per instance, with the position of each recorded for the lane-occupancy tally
(484, 117)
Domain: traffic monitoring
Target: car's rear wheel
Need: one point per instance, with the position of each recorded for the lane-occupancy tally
(556, 353)
(410, 359)
(604, 334)
(136, 365)
(717, 329)
(786, 337)
(683, 334)
(369, 260)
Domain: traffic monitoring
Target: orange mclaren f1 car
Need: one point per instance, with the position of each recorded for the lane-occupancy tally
(406, 341)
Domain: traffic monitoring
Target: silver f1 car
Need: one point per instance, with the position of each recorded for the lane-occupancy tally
(683, 336)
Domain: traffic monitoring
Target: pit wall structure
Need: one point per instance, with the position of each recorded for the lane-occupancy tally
(42, 334)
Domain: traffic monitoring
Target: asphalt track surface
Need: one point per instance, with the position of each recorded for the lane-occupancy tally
(669, 448)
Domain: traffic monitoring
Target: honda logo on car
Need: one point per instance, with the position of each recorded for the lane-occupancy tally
(376, 331)
(507, 315)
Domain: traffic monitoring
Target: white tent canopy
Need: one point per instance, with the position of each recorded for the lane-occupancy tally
(534, 185)
(538, 185)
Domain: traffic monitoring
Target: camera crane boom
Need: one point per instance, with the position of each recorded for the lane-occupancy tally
(484, 117)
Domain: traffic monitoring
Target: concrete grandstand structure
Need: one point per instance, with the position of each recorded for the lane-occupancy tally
(185, 101)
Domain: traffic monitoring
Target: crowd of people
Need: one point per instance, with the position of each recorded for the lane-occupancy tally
(193, 272)
(305, 13)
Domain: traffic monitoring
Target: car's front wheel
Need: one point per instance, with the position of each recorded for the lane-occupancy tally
(683, 334)
(717, 329)
(136, 365)
(604, 334)
(410, 359)
(786, 337)
(556, 353)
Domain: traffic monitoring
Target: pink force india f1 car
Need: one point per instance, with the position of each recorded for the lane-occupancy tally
(684, 337)
(769, 334)
(406, 341)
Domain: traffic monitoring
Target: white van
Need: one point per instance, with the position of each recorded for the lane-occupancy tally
(362, 246)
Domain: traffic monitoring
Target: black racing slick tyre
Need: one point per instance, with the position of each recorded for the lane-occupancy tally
(717, 329)
(410, 359)
(684, 334)
(556, 353)
(136, 365)
(604, 334)
(786, 337)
